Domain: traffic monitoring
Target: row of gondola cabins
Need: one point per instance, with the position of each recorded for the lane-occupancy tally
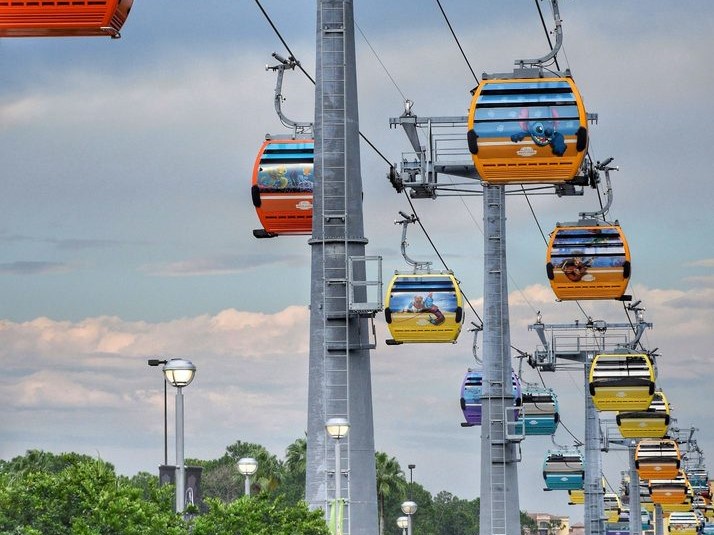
(519, 131)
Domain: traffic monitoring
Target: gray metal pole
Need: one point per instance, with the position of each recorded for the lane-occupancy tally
(499, 509)
(247, 485)
(409, 524)
(339, 381)
(635, 505)
(594, 506)
(338, 482)
(658, 520)
(180, 470)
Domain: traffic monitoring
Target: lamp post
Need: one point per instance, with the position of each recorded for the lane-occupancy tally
(180, 373)
(156, 362)
(337, 428)
(247, 466)
(409, 508)
(411, 479)
(403, 524)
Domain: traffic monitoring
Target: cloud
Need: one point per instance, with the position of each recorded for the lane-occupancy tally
(33, 267)
(705, 262)
(222, 264)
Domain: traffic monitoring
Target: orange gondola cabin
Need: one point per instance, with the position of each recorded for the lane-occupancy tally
(588, 260)
(527, 130)
(63, 18)
(283, 180)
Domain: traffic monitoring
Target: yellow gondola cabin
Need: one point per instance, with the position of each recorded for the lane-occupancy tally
(424, 307)
(622, 381)
(650, 423)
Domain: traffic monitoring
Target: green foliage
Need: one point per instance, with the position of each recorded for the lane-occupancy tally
(70, 494)
(390, 482)
(220, 477)
(75, 495)
(259, 515)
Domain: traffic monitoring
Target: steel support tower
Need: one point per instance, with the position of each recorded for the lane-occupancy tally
(499, 507)
(580, 342)
(339, 363)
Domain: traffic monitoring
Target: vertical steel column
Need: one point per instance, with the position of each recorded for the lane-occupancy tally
(635, 505)
(339, 368)
(499, 509)
(594, 506)
(658, 520)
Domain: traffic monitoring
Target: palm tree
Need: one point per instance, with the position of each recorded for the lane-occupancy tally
(390, 480)
(296, 456)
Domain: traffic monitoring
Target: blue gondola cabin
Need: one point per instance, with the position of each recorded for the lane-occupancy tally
(564, 470)
(540, 411)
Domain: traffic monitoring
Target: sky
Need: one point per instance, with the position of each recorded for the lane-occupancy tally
(126, 224)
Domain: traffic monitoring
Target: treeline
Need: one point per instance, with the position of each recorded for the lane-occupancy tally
(43, 493)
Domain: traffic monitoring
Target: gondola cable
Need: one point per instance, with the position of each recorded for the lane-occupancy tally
(448, 23)
(299, 65)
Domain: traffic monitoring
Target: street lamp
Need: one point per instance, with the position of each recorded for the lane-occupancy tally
(403, 524)
(247, 466)
(337, 428)
(156, 362)
(409, 508)
(180, 373)
(411, 479)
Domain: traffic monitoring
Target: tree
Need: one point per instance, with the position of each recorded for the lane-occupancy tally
(292, 485)
(390, 481)
(455, 516)
(220, 477)
(84, 498)
(259, 515)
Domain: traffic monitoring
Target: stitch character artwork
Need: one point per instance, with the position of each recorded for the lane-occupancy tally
(421, 304)
(542, 130)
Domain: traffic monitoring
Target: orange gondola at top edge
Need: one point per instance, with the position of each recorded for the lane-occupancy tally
(63, 18)
(527, 130)
(283, 180)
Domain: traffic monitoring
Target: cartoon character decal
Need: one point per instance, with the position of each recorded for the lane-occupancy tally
(286, 177)
(542, 130)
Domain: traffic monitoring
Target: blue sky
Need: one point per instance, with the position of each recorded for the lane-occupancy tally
(125, 222)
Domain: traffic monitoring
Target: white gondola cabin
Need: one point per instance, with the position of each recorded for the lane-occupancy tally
(527, 130)
(63, 18)
(423, 307)
(588, 261)
(622, 381)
